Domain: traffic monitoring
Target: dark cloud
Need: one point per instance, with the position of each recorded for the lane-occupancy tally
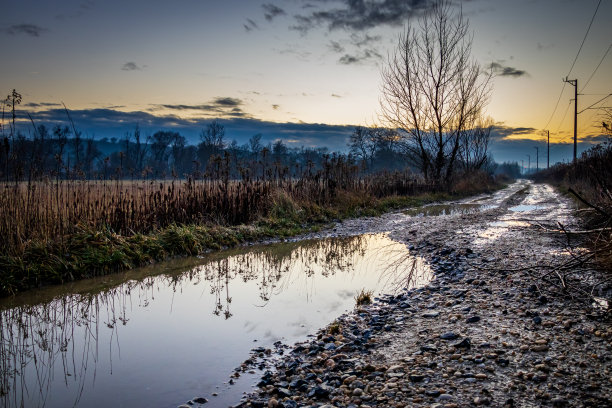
(336, 47)
(348, 59)
(502, 132)
(596, 138)
(109, 123)
(363, 40)
(227, 101)
(360, 14)
(275, 107)
(40, 104)
(131, 66)
(271, 11)
(501, 70)
(250, 25)
(27, 29)
(336, 96)
(221, 106)
(368, 55)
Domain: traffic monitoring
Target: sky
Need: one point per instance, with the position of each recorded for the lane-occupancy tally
(304, 71)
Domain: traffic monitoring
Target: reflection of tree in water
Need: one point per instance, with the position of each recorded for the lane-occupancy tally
(65, 330)
(273, 267)
(34, 339)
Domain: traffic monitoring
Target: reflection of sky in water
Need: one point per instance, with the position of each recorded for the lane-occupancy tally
(435, 210)
(159, 340)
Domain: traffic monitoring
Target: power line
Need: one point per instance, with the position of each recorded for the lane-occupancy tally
(564, 115)
(556, 106)
(597, 67)
(573, 63)
(584, 39)
(602, 99)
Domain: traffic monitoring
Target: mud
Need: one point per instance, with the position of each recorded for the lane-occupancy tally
(485, 331)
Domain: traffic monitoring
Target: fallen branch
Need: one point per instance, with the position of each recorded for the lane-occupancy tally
(599, 210)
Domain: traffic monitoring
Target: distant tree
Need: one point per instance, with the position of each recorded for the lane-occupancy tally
(211, 141)
(474, 145)
(362, 144)
(160, 152)
(61, 139)
(182, 158)
(510, 169)
(279, 151)
(92, 153)
(433, 89)
(255, 144)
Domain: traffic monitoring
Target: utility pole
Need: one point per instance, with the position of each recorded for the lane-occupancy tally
(528, 165)
(537, 158)
(548, 149)
(574, 82)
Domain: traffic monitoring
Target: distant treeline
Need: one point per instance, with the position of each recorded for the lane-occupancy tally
(38, 152)
(62, 152)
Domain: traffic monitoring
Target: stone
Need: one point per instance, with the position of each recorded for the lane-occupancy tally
(465, 343)
(449, 336)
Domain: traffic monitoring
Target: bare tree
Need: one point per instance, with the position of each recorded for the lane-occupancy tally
(433, 89)
(211, 142)
(474, 145)
(255, 144)
(362, 144)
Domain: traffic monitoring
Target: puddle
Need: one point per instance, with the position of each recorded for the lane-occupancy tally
(508, 224)
(435, 210)
(162, 335)
(525, 208)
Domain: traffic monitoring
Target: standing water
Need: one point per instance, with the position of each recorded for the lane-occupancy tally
(162, 335)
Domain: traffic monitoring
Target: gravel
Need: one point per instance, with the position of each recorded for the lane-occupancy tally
(479, 334)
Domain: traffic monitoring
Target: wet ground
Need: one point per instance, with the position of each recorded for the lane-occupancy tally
(483, 332)
(174, 332)
(486, 331)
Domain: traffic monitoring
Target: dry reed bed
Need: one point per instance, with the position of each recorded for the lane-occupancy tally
(59, 230)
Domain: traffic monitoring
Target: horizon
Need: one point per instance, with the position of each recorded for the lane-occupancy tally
(305, 75)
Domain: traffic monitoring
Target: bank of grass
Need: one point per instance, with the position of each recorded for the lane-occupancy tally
(88, 252)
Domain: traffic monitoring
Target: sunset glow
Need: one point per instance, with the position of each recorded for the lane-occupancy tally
(284, 63)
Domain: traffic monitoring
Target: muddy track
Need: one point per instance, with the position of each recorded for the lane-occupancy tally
(483, 332)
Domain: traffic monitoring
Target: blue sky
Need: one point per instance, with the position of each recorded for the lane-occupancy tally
(306, 71)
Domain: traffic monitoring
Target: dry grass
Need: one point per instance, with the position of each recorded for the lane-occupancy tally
(364, 297)
(589, 182)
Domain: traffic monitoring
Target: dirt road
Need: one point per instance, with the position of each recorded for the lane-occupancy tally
(486, 331)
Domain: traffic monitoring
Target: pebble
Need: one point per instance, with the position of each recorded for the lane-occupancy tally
(499, 342)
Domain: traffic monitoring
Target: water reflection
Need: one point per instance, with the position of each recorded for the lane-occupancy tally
(162, 335)
(435, 210)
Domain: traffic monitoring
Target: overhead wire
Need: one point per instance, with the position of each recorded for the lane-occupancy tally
(556, 106)
(573, 64)
(601, 100)
(597, 67)
(564, 115)
(584, 39)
